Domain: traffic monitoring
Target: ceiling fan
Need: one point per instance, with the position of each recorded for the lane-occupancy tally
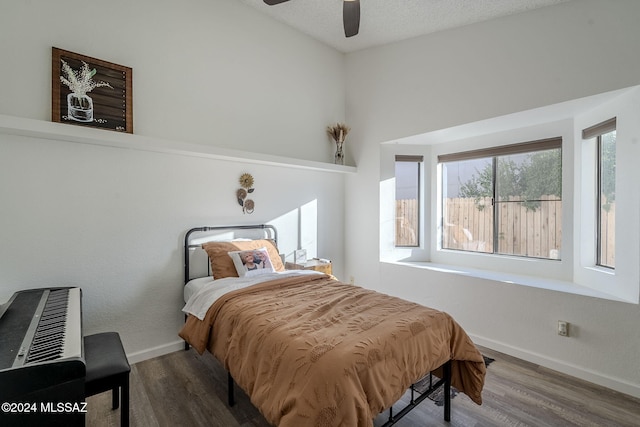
(350, 15)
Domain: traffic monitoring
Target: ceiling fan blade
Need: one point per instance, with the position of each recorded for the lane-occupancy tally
(274, 2)
(351, 17)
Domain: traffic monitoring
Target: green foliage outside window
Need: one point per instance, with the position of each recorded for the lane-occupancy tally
(524, 177)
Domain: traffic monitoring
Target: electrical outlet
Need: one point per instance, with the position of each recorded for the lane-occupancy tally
(352, 280)
(563, 328)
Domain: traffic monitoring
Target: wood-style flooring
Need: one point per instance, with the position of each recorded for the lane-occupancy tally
(185, 389)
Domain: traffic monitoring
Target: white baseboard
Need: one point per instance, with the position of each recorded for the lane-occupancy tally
(150, 353)
(616, 384)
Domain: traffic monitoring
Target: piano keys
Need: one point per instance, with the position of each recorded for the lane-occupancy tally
(41, 357)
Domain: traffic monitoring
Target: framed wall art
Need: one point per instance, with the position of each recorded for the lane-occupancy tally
(91, 92)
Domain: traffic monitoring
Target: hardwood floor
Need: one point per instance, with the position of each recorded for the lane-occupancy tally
(185, 389)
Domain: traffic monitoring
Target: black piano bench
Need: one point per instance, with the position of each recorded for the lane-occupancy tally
(107, 369)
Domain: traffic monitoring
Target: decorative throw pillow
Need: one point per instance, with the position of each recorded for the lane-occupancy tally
(252, 262)
(221, 263)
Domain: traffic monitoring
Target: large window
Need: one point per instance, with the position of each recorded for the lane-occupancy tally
(605, 134)
(407, 216)
(504, 200)
(558, 212)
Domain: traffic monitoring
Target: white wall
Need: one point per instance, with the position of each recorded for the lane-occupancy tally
(110, 219)
(480, 71)
(197, 67)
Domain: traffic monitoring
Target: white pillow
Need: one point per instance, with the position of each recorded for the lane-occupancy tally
(194, 285)
(252, 262)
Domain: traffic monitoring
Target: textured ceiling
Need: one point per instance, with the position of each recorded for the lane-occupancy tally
(385, 21)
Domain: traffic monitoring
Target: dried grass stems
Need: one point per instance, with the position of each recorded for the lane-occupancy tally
(338, 132)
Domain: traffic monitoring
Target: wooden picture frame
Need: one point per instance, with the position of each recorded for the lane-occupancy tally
(102, 95)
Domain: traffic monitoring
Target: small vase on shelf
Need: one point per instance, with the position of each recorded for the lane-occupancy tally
(338, 134)
(339, 157)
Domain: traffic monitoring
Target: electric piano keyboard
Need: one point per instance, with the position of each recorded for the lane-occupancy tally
(41, 355)
(53, 334)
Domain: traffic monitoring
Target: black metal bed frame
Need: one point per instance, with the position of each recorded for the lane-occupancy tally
(444, 382)
(188, 246)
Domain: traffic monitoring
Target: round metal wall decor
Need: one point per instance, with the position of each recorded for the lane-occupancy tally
(246, 182)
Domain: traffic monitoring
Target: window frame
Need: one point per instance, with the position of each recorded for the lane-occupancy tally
(596, 132)
(419, 161)
(493, 153)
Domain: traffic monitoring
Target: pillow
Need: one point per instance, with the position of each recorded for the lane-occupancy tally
(252, 262)
(222, 264)
(194, 285)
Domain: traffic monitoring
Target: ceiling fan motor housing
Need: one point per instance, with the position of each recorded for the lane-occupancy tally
(350, 15)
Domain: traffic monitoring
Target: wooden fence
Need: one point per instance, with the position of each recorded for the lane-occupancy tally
(407, 218)
(608, 232)
(526, 232)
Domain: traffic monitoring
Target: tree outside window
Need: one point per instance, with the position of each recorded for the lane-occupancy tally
(506, 203)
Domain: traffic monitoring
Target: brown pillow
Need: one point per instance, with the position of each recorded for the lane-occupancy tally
(221, 263)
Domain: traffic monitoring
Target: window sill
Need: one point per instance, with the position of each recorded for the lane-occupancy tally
(11, 125)
(514, 279)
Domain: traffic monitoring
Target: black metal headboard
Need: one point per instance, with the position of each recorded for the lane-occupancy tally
(269, 230)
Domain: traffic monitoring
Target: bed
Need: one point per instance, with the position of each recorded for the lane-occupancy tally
(308, 349)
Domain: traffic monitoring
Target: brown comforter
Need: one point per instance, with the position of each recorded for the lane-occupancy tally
(312, 351)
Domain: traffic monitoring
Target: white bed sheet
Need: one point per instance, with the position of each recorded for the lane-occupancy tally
(195, 285)
(207, 292)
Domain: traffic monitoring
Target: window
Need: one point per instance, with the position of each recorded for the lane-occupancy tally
(539, 213)
(407, 173)
(605, 134)
(504, 200)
